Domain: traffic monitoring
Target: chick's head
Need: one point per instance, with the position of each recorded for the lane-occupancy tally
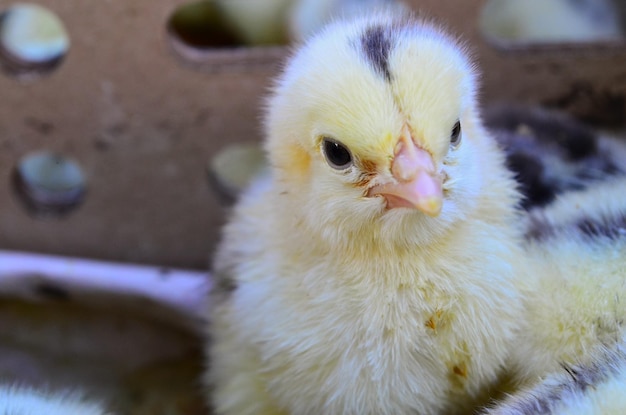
(375, 122)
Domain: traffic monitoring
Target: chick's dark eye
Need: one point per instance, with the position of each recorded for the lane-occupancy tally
(455, 136)
(337, 155)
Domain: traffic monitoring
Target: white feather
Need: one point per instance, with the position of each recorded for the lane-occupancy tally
(596, 387)
(22, 400)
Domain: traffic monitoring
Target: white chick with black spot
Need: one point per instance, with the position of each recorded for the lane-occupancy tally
(376, 268)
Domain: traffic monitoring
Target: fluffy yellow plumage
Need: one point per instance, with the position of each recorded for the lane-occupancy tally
(373, 270)
(578, 250)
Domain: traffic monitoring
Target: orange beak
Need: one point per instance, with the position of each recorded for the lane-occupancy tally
(417, 184)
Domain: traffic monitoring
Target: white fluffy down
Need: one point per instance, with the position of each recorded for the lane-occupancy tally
(594, 388)
(577, 304)
(24, 400)
(607, 398)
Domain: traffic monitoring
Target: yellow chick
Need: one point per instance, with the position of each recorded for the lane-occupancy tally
(257, 22)
(594, 388)
(371, 271)
(578, 248)
(551, 20)
(21, 400)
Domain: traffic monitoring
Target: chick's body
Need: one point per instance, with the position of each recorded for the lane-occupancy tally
(372, 271)
(578, 246)
(592, 388)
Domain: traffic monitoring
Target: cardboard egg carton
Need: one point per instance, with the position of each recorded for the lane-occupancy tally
(143, 114)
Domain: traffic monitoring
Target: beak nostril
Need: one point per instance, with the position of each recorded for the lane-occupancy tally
(404, 168)
(410, 159)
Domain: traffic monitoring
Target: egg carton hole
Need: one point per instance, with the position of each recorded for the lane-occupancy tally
(206, 25)
(49, 185)
(199, 25)
(33, 41)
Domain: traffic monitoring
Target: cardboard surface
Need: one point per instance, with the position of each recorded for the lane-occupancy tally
(143, 116)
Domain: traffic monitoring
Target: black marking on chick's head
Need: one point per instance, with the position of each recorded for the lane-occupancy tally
(376, 44)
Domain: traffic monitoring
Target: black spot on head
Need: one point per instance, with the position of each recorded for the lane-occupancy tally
(376, 45)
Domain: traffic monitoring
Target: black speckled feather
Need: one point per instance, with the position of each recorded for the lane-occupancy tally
(549, 152)
(570, 389)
